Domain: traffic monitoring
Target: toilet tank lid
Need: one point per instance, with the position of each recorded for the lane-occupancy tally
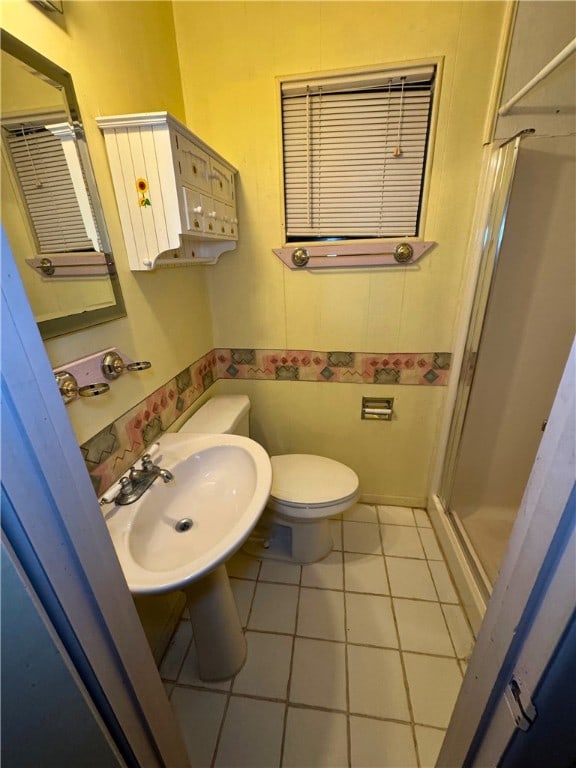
(219, 415)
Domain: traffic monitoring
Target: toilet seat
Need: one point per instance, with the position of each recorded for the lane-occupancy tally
(307, 486)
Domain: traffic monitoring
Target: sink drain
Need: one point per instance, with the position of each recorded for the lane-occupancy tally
(184, 525)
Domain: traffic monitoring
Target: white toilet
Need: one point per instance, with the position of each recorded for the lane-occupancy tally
(306, 490)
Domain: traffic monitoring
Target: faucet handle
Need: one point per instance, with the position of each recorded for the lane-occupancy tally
(147, 462)
(126, 486)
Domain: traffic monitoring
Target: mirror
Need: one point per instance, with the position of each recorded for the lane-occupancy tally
(51, 211)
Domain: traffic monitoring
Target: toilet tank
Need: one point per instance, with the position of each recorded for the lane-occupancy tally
(223, 414)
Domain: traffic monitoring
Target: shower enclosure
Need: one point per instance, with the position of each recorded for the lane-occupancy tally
(519, 334)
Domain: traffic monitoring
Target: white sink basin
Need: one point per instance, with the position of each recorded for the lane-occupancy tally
(221, 484)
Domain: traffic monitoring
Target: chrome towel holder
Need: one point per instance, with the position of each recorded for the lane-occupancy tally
(82, 378)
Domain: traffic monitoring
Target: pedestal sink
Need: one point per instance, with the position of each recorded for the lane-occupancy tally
(178, 535)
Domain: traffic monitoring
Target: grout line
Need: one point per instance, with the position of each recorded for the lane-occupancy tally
(346, 664)
(295, 635)
(290, 669)
(221, 728)
(185, 654)
(304, 706)
(341, 642)
(452, 643)
(229, 691)
(401, 656)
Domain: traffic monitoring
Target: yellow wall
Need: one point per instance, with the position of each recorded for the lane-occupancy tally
(122, 57)
(230, 55)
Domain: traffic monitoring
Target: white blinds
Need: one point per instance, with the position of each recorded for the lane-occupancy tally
(48, 190)
(354, 155)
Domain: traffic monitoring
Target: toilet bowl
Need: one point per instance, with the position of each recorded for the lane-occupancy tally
(306, 490)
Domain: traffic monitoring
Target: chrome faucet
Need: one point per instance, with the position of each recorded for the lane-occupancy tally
(139, 480)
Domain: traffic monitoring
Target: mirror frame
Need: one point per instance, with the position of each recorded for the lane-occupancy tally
(63, 81)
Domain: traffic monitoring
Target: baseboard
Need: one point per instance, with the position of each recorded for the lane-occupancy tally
(394, 501)
(472, 598)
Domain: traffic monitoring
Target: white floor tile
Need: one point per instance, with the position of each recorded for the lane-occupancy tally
(199, 714)
(176, 651)
(370, 621)
(446, 591)
(274, 608)
(321, 614)
(459, 630)
(434, 684)
(361, 513)
(243, 591)
(243, 566)
(252, 734)
(326, 574)
(377, 744)
(276, 570)
(401, 541)
(430, 544)
(315, 738)
(376, 683)
(429, 741)
(336, 531)
(189, 674)
(365, 573)
(361, 537)
(396, 515)
(319, 674)
(410, 578)
(422, 519)
(267, 666)
(422, 628)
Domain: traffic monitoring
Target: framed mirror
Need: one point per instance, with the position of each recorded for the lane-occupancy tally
(51, 210)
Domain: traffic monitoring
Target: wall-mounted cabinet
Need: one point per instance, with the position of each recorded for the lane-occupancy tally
(176, 196)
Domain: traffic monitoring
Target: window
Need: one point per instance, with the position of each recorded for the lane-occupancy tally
(50, 181)
(355, 153)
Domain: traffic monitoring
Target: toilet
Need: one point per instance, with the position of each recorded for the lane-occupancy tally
(306, 490)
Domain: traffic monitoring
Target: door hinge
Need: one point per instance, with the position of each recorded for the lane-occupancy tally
(520, 704)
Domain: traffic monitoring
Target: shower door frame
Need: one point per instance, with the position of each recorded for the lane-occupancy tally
(488, 227)
(532, 604)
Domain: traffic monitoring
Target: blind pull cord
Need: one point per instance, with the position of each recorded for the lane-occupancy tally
(308, 168)
(39, 182)
(318, 207)
(398, 148)
(384, 158)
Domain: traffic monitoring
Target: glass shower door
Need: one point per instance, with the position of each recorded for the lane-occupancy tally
(520, 331)
(500, 179)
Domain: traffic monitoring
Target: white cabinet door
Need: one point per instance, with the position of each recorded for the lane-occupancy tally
(194, 164)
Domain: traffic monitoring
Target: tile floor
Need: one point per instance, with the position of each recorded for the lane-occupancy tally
(352, 661)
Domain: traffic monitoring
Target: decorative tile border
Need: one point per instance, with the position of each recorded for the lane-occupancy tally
(427, 368)
(116, 447)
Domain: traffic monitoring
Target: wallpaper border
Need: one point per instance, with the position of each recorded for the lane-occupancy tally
(116, 447)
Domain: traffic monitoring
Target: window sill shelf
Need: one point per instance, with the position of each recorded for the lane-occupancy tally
(392, 253)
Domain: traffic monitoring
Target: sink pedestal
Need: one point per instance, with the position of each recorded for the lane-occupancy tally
(220, 642)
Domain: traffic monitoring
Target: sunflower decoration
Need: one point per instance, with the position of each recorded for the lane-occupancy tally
(142, 188)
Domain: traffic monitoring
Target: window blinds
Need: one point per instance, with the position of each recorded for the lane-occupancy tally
(42, 171)
(354, 154)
